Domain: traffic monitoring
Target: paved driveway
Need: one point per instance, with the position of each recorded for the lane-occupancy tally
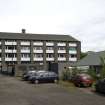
(16, 92)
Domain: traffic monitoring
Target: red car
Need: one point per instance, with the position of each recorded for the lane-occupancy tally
(83, 80)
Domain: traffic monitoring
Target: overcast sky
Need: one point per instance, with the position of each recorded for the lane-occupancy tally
(82, 19)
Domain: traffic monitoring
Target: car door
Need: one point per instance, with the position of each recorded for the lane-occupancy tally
(43, 77)
(52, 77)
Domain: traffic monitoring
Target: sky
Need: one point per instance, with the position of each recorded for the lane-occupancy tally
(82, 19)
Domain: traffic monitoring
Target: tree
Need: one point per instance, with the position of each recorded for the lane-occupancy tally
(102, 72)
(66, 74)
(82, 55)
(75, 71)
(92, 73)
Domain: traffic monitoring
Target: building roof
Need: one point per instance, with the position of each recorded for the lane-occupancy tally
(92, 59)
(5, 35)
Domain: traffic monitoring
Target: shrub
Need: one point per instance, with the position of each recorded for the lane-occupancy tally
(102, 72)
(92, 73)
(66, 74)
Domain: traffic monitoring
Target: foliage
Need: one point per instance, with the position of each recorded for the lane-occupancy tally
(101, 75)
(82, 55)
(92, 73)
(102, 72)
(66, 74)
(75, 71)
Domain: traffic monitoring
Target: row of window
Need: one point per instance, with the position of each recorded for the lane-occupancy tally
(39, 48)
(37, 55)
(40, 43)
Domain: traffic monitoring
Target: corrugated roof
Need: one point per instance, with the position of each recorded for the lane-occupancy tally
(5, 35)
(91, 59)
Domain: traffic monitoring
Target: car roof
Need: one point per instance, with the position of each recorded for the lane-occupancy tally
(31, 71)
(41, 71)
(83, 75)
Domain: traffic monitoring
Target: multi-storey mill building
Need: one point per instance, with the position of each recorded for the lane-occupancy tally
(35, 51)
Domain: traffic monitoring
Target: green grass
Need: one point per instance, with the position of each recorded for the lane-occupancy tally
(67, 85)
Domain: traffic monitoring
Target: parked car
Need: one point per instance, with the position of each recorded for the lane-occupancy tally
(83, 80)
(44, 77)
(100, 86)
(27, 74)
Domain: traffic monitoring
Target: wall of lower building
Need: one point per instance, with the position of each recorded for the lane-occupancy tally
(55, 67)
(22, 68)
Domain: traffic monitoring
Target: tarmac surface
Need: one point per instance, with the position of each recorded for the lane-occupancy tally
(16, 92)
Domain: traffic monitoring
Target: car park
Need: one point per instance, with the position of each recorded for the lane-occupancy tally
(44, 77)
(83, 80)
(100, 86)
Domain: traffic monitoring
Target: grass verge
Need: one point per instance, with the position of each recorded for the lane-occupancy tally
(67, 85)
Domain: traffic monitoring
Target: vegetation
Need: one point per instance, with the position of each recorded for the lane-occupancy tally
(76, 71)
(92, 73)
(66, 74)
(69, 86)
(101, 75)
(102, 72)
(82, 55)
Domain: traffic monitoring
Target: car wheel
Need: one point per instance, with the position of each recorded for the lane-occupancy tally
(36, 81)
(90, 85)
(55, 81)
(79, 85)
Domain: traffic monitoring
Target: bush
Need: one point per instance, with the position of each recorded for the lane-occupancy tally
(92, 73)
(102, 72)
(66, 75)
(75, 71)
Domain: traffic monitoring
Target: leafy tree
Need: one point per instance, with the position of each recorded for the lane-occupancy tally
(82, 55)
(75, 71)
(102, 72)
(92, 73)
(66, 74)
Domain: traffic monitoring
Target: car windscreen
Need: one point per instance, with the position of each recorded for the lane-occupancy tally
(52, 74)
(86, 77)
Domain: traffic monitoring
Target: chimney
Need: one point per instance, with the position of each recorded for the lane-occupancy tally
(23, 31)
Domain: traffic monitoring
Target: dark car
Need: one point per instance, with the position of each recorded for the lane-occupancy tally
(27, 74)
(44, 77)
(100, 86)
(83, 80)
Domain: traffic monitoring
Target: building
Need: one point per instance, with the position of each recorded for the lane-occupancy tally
(35, 51)
(92, 60)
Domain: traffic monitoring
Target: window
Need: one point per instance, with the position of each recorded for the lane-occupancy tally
(49, 48)
(49, 43)
(25, 41)
(0, 55)
(61, 44)
(11, 47)
(38, 55)
(73, 55)
(61, 55)
(72, 49)
(50, 56)
(10, 40)
(10, 55)
(61, 48)
(25, 48)
(37, 48)
(25, 55)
